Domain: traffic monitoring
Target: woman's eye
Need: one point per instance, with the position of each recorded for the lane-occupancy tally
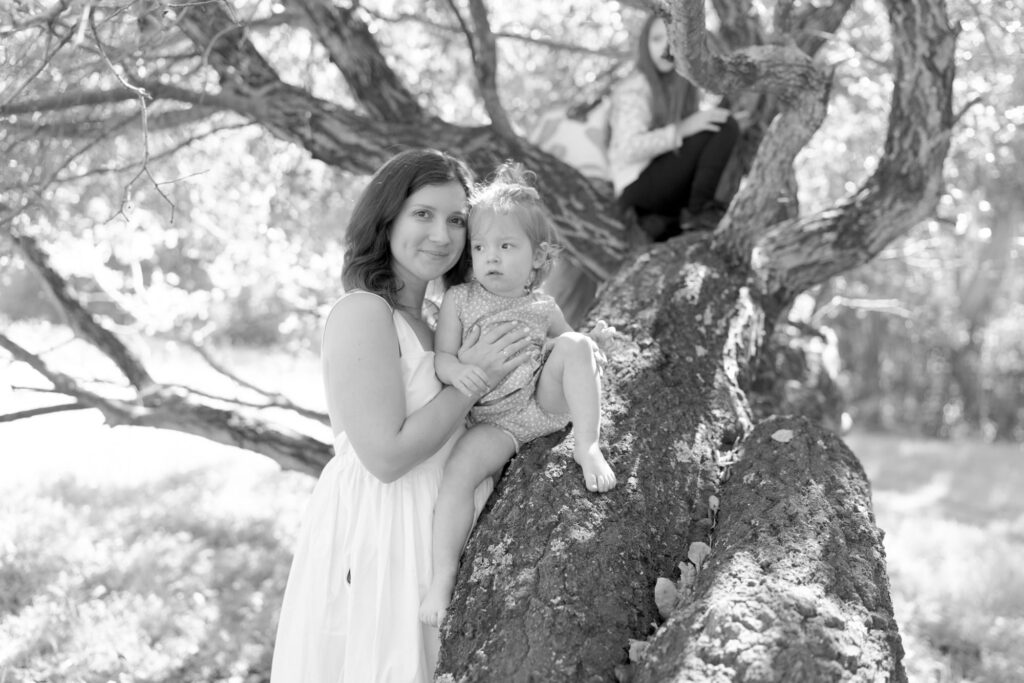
(421, 213)
(459, 221)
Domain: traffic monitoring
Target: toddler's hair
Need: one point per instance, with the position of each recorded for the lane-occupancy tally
(511, 191)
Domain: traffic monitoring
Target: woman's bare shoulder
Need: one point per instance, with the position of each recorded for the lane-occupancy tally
(358, 308)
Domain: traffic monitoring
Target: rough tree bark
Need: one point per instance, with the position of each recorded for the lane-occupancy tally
(552, 586)
(556, 582)
(795, 588)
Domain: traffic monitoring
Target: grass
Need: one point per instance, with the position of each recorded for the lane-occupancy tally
(136, 555)
(954, 523)
(171, 571)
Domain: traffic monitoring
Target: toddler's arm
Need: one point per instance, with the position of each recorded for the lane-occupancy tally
(469, 379)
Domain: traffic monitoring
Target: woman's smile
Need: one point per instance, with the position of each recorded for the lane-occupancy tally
(430, 232)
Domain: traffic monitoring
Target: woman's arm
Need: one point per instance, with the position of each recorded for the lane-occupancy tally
(366, 393)
(630, 121)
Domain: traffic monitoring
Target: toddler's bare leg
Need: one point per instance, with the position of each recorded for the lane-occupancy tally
(481, 451)
(570, 382)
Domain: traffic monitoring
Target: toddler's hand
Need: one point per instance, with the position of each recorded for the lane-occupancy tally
(602, 333)
(472, 381)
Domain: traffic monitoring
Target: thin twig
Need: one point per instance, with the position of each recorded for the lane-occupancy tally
(35, 412)
(613, 53)
(142, 96)
(465, 29)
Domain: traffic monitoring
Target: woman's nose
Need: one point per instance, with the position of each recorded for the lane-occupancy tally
(439, 232)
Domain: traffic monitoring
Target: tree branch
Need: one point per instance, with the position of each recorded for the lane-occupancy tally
(485, 66)
(274, 399)
(353, 49)
(72, 129)
(906, 185)
(184, 410)
(79, 319)
(64, 384)
(588, 218)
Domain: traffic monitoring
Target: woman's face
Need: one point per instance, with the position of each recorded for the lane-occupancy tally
(429, 233)
(657, 43)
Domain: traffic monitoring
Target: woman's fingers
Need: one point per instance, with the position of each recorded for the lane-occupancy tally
(472, 336)
(502, 333)
(511, 352)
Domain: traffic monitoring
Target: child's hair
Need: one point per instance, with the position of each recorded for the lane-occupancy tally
(512, 191)
(368, 236)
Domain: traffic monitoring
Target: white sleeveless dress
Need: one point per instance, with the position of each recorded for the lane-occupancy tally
(363, 561)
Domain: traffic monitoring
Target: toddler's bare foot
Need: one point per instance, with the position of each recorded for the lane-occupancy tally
(435, 602)
(597, 473)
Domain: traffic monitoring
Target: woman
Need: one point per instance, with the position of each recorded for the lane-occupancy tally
(666, 155)
(362, 562)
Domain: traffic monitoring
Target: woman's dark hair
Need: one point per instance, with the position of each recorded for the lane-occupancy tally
(672, 97)
(367, 239)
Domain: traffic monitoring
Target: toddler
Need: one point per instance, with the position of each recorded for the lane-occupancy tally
(512, 245)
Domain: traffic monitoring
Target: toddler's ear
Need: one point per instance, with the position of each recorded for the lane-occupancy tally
(541, 254)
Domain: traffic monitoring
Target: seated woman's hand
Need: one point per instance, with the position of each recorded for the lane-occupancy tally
(496, 351)
(710, 120)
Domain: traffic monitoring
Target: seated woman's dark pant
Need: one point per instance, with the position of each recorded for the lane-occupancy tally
(683, 178)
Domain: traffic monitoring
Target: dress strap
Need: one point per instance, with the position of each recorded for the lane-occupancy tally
(363, 291)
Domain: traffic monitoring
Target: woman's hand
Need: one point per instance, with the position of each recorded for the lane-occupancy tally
(495, 351)
(710, 120)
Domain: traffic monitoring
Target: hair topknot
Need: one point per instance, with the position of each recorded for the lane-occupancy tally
(510, 191)
(511, 185)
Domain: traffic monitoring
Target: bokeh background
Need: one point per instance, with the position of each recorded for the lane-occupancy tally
(133, 554)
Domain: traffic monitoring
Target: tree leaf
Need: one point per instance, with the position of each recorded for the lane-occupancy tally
(665, 596)
(698, 553)
(783, 436)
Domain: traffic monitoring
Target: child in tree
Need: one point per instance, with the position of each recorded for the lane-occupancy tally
(512, 244)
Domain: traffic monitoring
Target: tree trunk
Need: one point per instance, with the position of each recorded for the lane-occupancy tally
(795, 587)
(556, 581)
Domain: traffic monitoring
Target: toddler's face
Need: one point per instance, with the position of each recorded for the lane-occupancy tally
(503, 256)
